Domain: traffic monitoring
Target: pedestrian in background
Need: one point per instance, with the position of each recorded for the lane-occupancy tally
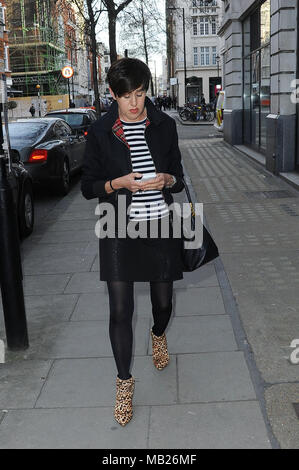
(119, 161)
(32, 110)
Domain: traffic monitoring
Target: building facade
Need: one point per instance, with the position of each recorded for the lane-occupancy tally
(4, 46)
(104, 61)
(44, 36)
(193, 48)
(259, 55)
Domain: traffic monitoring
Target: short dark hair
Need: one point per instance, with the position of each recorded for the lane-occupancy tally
(126, 75)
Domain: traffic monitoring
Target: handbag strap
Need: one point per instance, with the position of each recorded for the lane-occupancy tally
(189, 197)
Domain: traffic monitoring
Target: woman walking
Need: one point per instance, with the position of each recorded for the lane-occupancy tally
(132, 152)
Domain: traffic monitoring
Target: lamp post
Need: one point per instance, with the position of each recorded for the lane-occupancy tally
(184, 38)
(39, 103)
(11, 274)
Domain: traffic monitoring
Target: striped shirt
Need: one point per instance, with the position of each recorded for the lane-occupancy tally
(149, 204)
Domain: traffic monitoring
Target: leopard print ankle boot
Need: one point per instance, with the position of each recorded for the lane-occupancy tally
(160, 351)
(123, 410)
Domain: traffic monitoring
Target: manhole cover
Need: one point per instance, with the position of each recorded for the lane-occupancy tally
(296, 406)
(268, 194)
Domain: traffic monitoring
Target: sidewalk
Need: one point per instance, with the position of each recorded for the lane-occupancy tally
(60, 393)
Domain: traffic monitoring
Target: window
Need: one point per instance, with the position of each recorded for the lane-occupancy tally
(6, 68)
(60, 130)
(195, 55)
(2, 17)
(195, 29)
(207, 56)
(214, 55)
(256, 76)
(204, 26)
(214, 28)
(204, 56)
(67, 129)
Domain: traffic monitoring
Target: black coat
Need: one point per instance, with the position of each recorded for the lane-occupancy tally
(107, 157)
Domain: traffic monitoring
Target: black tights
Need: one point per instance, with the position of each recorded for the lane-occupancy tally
(121, 301)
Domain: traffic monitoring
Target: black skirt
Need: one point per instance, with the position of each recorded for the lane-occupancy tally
(141, 259)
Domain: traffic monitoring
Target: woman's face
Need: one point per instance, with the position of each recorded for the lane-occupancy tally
(131, 106)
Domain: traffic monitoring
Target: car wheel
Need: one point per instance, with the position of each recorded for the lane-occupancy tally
(26, 211)
(63, 186)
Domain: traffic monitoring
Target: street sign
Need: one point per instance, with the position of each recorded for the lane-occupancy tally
(173, 81)
(67, 71)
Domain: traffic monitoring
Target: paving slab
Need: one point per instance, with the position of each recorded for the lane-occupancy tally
(91, 383)
(203, 277)
(198, 301)
(84, 339)
(95, 306)
(68, 236)
(191, 334)
(49, 308)
(21, 383)
(58, 263)
(54, 249)
(76, 214)
(81, 283)
(70, 225)
(237, 425)
(213, 377)
(45, 284)
(85, 428)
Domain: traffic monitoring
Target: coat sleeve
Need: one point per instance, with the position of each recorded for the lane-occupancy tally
(175, 167)
(93, 172)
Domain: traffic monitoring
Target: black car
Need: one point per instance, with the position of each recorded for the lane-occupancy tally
(22, 186)
(49, 149)
(79, 119)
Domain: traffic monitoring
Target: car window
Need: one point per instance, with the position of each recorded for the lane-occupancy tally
(26, 131)
(60, 130)
(67, 128)
(86, 120)
(92, 116)
(73, 119)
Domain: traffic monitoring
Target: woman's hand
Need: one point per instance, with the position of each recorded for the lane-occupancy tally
(161, 180)
(128, 182)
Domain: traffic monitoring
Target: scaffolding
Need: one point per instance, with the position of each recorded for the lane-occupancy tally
(36, 44)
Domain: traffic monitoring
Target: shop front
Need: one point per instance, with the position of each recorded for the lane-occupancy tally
(256, 76)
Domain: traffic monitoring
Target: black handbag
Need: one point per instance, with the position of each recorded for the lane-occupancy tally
(194, 258)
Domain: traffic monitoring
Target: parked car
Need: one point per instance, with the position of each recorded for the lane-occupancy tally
(220, 106)
(79, 119)
(49, 150)
(22, 185)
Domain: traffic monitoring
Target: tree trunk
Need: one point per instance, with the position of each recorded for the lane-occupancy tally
(145, 44)
(112, 36)
(94, 52)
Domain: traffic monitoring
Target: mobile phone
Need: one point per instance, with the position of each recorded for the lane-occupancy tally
(148, 176)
